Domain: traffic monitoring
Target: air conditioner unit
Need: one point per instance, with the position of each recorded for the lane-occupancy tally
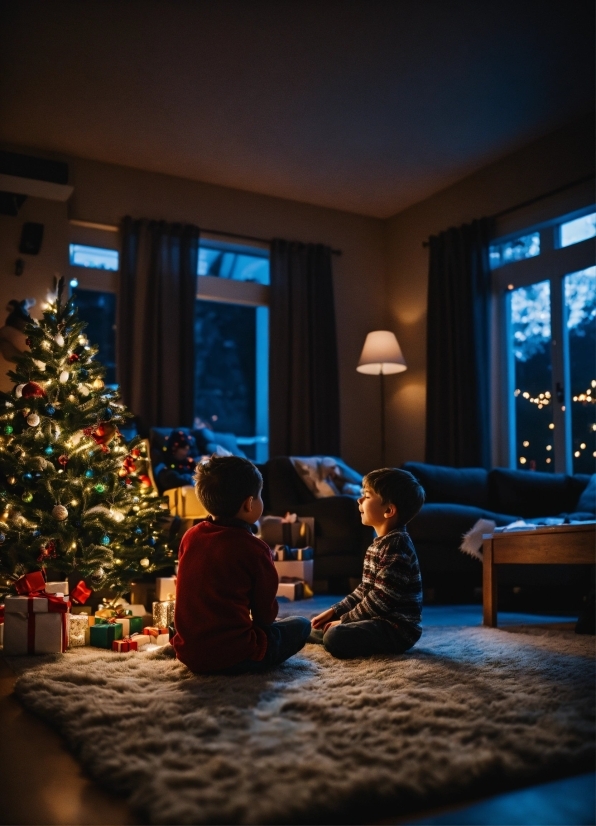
(24, 175)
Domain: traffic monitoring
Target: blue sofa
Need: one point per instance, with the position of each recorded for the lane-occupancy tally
(457, 497)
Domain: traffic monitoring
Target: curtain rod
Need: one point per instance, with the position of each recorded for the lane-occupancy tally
(113, 228)
(536, 199)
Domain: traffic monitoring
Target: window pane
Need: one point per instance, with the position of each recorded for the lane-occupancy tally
(578, 230)
(98, 258)
(580, 303)
(225, 340)
(240, 267)
(528, 246)
(532, 375)
(98, 309)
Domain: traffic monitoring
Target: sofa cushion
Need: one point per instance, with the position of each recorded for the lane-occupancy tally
(530, 493)
(587, 501)
(460, 486)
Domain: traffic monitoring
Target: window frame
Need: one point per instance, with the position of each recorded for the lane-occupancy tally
(553, 264)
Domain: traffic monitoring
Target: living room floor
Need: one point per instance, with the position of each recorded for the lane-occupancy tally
(42, 783)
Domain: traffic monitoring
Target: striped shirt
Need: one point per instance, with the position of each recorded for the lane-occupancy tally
(391, 587)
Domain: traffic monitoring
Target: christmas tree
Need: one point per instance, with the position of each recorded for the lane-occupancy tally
(73, 494)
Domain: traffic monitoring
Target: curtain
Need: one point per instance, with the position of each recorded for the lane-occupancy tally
(303, 364)
(458, 335)
(155, 326)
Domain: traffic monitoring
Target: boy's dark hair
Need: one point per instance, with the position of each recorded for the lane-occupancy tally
(223, 483)
(399, 488)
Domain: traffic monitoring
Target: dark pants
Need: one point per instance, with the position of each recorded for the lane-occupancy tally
(284, 639)
(361, 639)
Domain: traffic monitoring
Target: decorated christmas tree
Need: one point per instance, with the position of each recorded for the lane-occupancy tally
(73, 495)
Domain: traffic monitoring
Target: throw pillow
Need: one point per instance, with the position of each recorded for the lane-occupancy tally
(315, 475)
(457, 486)
(530, 493)
(587, 501)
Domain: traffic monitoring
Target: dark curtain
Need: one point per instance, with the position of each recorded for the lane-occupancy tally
(458, 335)
(303, 365)
(156, 314)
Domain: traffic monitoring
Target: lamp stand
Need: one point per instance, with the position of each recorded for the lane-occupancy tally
(382, 375)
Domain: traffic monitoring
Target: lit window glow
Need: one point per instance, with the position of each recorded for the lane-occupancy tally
(97, 258)
(580, 229)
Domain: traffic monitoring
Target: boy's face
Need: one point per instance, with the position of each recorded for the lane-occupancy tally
(376, 513)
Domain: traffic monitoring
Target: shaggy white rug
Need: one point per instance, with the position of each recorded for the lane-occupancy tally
(467, 711)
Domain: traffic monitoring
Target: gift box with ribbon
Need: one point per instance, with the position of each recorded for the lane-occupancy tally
(291, 530)
(102, 636)
(141, 640)
(153, 632)
(36, 623)
(163, 613)
(123, 646)
(35, 581)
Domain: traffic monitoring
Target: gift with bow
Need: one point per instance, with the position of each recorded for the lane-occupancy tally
(35, 622)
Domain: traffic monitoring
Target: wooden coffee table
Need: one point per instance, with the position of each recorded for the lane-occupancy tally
(547, 545)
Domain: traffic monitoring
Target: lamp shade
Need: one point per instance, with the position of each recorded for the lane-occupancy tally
(381, 354)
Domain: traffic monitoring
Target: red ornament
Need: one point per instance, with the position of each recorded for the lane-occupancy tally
(136, 452)
(80, 593)
(48, 552)
(145, 481)
(72, 358)
(128, 464)
(32, 390)
(102, 433)
(63, 460)
(128, 481)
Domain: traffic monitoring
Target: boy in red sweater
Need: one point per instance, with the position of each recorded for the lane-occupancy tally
(227, 582)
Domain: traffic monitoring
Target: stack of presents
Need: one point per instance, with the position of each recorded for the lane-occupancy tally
(291, 539)
(44, 618)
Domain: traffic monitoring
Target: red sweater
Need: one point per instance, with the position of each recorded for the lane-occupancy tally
(225, 575)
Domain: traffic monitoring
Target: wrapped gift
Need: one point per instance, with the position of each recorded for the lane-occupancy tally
(57, 588)
(78, 630)
(102, 636)
(296, 569)
(81, 593)
(165, 589)
(141, 640)
(123, 646)
(28, 583)
(161, 639)
(282, 553)
(81, 609)
(291, 588)
(130, 610)
(36, 624)
(291, 530)
(153, 632)
(163, 613)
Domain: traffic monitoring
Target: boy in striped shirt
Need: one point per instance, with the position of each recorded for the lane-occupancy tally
(382, 615)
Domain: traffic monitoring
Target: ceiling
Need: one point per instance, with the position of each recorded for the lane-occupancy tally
(361, 105)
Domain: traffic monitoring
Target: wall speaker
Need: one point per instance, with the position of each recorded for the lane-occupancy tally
(31, 238)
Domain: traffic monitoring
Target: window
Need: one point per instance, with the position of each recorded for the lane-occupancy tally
(98, 309)
(97, 258)
(231, 339)
(547, 308)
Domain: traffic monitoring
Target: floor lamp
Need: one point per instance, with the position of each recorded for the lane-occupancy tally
(381, 355)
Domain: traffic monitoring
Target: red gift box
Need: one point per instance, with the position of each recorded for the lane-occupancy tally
(153, 631)
(34, 581)
(122, 646)
(80, 593)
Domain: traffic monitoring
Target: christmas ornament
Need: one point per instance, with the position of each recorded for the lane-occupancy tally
(11, 480)
(72, 399)
(47, 552)
(72, 358)
(144, 563)
(59, 513)
(89, 473)
(59, 339)
(63, 460)
(83, 390)
(27, 496)
(138, 531)
(64, 377)
(27, 477)
(2, 538)
(100, 488)
(151, 541)
(49, 450)
(103, 433)
(33, 419)
(18, 391)
(105, 540)
(98, 384)
(50, 409)
(8, 429)
(41, 365)
(145, 481)
(32, 390)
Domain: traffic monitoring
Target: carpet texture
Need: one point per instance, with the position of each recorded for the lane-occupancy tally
(468, 711)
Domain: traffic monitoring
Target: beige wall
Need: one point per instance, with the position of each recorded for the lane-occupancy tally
(104, 194)
(541, 167)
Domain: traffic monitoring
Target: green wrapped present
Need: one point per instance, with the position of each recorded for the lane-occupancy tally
(102, 635)
(136, 625)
